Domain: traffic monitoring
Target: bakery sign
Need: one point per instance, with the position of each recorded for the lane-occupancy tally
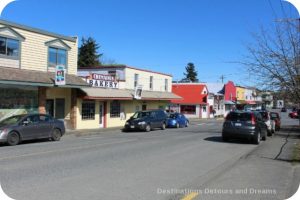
(103, 81)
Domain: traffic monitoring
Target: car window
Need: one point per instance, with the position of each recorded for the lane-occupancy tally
(233, 116)
(32, 119)
(153, 114)
(44, 118)
(274, 115)
(11, 120)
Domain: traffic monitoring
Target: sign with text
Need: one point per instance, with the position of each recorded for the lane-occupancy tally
(104, 81)
(60, 75)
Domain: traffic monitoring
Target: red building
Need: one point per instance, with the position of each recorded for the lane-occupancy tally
(194, 100)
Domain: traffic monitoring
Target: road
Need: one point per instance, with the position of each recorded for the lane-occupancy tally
(115, 165)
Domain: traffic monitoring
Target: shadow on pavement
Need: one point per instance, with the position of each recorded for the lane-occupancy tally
(220, 140)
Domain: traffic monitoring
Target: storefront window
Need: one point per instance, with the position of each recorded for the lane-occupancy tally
(115, 109)
(188, 109)
(17, 100)
(88, 110)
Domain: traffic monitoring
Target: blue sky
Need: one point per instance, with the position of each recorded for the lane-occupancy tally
(160, 35)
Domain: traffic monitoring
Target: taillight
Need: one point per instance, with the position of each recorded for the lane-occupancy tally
(253, 122)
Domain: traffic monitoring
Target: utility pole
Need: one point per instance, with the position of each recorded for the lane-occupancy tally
(222, 78)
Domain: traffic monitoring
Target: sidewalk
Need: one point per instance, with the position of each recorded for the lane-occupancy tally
(271, 171)
(87, 132)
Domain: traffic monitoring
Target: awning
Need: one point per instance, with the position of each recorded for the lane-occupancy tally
(124, 94)
(229, 103)
(37, 78)
(241, 102)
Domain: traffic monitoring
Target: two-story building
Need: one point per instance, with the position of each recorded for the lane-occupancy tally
(28, 58)
(117, 92)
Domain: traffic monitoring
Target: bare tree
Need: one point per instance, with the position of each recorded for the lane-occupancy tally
(271, 59)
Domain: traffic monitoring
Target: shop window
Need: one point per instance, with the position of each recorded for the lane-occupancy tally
(17, 100)
(115, 109)
(204, 109)
(57, 57)
(88, 110)
(188, 109)
(9, 47)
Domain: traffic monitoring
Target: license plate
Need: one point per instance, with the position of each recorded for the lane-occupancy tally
(238, 124)
(131, 126)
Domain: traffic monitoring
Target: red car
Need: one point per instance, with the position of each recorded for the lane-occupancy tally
(275, 116)
(294, 114)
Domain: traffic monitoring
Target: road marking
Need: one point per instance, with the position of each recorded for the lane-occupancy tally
(67, 149)
(190, 196)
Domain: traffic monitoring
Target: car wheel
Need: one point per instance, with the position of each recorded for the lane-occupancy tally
(56, 135)
(225, 139)
(148, 128)
(269, 133)
(257, 138)
(177, 125)
(187, 124)
(13, 138)
(163, 126)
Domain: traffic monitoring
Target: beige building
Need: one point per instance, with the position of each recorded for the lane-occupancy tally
(114, 97)
(28, 58)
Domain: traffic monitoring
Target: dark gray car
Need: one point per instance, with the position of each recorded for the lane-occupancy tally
(248, 125)
(19, 128)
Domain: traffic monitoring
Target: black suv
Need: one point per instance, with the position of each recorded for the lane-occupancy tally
(147, 120)
(248, 125)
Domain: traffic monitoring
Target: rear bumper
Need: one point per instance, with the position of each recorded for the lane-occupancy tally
(239, 135)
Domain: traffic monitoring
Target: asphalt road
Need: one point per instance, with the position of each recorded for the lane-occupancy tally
(115, 165)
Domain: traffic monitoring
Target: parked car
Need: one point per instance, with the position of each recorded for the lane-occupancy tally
(283, 109)
(147, 120)
(177, 120)
(294, 114)
(269, 122)
(275, 116)
(18, 128)
(244, 125)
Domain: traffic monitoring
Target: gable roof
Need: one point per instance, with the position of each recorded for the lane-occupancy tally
(190, 93)
(18, 35)
(49, 43)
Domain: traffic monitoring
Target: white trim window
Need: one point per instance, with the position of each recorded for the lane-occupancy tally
(166, 85)
(57, 57)
(136, 80)
(151, 83)
(9, 48)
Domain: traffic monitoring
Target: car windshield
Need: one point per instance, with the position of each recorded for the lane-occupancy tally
(11, 120)
(173, 116)
(140, 115)
(234, 116)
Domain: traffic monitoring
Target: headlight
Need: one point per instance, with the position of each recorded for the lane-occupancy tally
(127, 123)
(141, 123)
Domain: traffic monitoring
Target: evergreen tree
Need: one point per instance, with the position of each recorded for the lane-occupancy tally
(191, 73)
(88, 56)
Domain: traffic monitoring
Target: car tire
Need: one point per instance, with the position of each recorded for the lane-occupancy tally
(177, 125)
(148, 128)
(56, 135)
(163, 126)
(225, 139)
(269, 133)
(256, 139)
(187, 124)
(13, 138)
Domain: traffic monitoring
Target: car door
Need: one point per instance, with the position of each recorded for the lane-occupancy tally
(28, 127)
(154, 119)
(261, 124)
(45, 126)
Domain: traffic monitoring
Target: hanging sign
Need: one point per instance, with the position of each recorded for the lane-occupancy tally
(60, 75)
